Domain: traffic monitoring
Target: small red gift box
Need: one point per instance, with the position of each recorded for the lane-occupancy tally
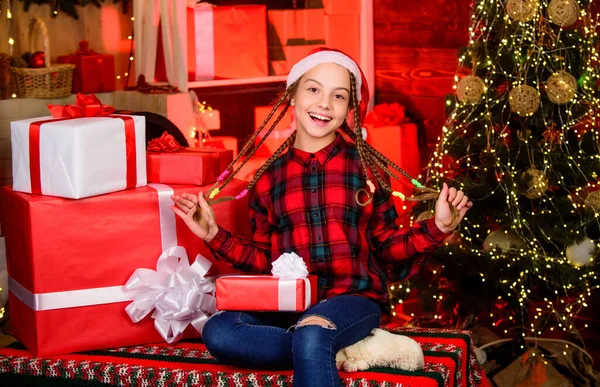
(94, 73)
(60, 251)
(265, 293)
(195, 166)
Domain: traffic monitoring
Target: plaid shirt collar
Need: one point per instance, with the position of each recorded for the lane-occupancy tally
(322, 156)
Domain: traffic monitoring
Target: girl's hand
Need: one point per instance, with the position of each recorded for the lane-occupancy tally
(443, 212)
(206, 228)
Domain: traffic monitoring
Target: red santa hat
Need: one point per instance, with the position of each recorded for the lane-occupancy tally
(331, 55)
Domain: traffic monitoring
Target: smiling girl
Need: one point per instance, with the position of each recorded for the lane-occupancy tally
(329, 201)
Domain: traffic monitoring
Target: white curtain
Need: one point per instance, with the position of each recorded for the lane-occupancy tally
(171, 14)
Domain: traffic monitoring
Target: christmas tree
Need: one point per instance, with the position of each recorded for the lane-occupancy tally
(522, 141)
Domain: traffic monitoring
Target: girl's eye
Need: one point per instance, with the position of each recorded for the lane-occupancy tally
(339, 96)
(312, 89)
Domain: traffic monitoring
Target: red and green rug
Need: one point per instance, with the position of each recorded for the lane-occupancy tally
(449, 361)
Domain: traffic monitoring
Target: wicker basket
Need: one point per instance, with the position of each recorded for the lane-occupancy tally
(4, 76)
(52, 81)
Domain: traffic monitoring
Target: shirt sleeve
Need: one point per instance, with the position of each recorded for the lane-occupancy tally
(408, 246)
(249, 256)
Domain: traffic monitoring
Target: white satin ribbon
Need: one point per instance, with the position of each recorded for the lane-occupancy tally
(70, 298)
(176, 291)
(286, 290)
(205, 42)
(168, 230)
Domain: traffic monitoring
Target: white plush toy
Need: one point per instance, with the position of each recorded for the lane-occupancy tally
(381, 349)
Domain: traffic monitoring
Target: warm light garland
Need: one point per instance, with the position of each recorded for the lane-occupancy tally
(536, 49)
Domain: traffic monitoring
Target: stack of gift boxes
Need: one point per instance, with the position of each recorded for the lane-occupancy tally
(293, 33)
(96, 258)
(263, 42)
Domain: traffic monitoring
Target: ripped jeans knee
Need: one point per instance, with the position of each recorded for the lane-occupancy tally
(316, 320)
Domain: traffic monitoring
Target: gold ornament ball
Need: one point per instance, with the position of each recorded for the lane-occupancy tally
(563, 12)
(581, 253)
(524, 100)
(561, 87)
(470, 89)
(522, 10)
(538, 183)
(592, 201)
(504, 240)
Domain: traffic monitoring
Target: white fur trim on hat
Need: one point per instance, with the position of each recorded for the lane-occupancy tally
(300, 68)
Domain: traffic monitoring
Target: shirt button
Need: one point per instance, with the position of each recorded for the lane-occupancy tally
(318, 238)
(314, 169)
(316, 214)
(312, 156)
(314, 190)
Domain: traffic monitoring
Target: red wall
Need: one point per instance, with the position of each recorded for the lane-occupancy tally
(416, 44)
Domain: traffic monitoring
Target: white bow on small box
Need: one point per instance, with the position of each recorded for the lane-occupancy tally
(177, 292)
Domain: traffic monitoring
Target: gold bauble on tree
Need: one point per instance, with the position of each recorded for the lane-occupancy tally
(538, 183)
(524, 100)
(504, 240)
(563, 12)
(470, 89)
(561, 87)
(522, 10)
(592, 201)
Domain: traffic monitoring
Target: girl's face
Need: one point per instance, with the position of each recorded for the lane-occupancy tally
(321, 105)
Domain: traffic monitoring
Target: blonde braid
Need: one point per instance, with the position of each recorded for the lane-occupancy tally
(247, 152)
(271, 159)
(370, 156)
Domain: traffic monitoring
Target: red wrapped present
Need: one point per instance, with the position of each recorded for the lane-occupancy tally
(84, 252)
(227, 42)
(82, 150)
(390, 132)
(265, 293)
(94, 72)
(342, 31)
(341, 6)
(293, 26)
(168, 163)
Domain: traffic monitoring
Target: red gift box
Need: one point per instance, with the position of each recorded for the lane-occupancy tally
(60, 245)
(264, 293)
(195, 166)
(94, 73)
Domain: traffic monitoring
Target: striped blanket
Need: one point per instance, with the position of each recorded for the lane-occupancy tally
(449, 361)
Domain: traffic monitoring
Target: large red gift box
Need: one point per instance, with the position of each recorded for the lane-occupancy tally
(195, 166)
(264, 293)
(94, 72)
(227, 42)
(61, 245)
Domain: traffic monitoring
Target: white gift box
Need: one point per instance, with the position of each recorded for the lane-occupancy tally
(78, 157)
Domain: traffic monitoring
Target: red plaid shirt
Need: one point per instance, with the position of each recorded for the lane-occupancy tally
(305, 203)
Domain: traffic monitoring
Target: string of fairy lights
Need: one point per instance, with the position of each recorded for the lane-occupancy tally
(11, 43)
(526, 31)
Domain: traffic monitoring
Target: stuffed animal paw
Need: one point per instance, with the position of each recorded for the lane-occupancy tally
(381, 349)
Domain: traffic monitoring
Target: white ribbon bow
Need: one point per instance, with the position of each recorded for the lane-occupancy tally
(176, 291)
(289, 266)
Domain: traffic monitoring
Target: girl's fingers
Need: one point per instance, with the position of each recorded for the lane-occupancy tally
(463, 202)
(459, 197)
(204, 205)
(451, 194)
(178, 212)
(189, 199)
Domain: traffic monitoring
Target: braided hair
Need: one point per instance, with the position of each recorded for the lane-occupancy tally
(374, 164)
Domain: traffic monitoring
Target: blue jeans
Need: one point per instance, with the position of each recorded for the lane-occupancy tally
(266, 340)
